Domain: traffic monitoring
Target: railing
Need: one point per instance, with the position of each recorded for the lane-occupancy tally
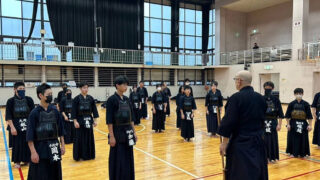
(37, 52)
(268, 54)
(310, 51)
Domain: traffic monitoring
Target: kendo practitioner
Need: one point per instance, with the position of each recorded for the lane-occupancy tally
(18, 109)
(45, 125)
(159, 108)
(213, 103)
(297, 114)
(241, 130)
(136, 103)
(178, 98)
(166, 91)
(62, 93)
(144, 99)
(271, 124)
(66, 109)
(316, 116)
(122, 135)
(187, 108)
(84, 114)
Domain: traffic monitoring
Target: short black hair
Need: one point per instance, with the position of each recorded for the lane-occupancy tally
(121, 80)
(83, 83)
(42, 88)
(214, 83)
(187, 80)
(298, 91)
(268, 83)
(187, 87)
(68, 90)
(141, 82)
(64, 84)
(17, 84)
(158, 85)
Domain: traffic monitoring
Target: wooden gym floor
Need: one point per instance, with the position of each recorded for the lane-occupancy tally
(167, 156)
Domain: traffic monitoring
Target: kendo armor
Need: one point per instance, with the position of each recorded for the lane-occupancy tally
(318, 105)
(123, 115)
(84, 107)
(68, 106)
(21, 108)
(135, 99)
(298, 112)
(159, 101)
(271, 112)
(47, 127)
(187, 104)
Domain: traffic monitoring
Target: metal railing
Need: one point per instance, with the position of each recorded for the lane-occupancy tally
(37, 52)
(267, 54)
(310, 51)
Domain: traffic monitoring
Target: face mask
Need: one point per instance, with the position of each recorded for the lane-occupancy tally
(298, 97)
(69, 95)
(267, 92)
(64, 89)
(21, 93)
(49, 99)
(159, 88)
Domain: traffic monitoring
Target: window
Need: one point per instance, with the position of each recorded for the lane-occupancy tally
(16, 17)
(157, 30)
(153, 77)
(190, 33)
(212, 37)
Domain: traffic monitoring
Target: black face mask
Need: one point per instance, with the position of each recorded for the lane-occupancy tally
(69, 96)
(267, 92)
(64, 89)
(49, 99)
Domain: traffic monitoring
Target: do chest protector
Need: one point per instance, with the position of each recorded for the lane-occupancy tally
(84, 107)
(47, 127)
(298, 112)
(187, 104)
(123, 115)
(21, 108)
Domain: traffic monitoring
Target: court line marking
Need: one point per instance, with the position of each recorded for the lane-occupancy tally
(155, 157)
(6, 146)
(143, 128)
(303, 174)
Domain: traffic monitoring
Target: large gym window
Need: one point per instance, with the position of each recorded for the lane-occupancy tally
(157, 30)
(212, 37)
(190, 33)
(16, 18)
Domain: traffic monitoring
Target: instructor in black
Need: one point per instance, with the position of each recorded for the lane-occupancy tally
(242, 130)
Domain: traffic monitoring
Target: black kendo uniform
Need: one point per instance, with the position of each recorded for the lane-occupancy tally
(18, 111)
(44, 128)
(298, 136)
(274, 111)
(243, 124)
(82, 110)
(213, 102)
(121, 159)
(158, 119)
(135, 101)
(191, 91)
(178, 99)
(143, 95)
(187, 104)
(66, 107)
(316, 132)
(61, 95)
(167, 93)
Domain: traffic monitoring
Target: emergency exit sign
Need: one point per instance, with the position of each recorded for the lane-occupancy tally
(268, 67)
